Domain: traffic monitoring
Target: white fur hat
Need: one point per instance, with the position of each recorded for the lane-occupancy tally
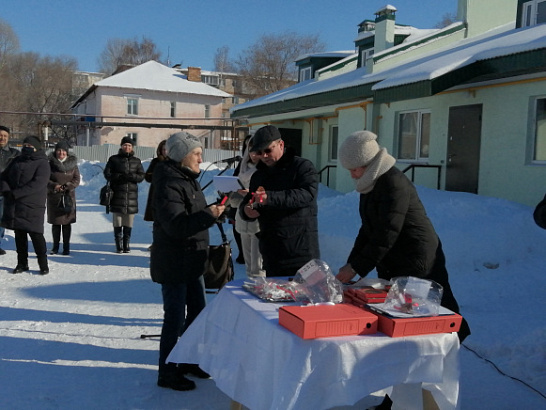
(181, 144)
(358, 149)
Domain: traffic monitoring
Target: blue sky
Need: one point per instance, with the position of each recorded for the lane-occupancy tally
(190, 32)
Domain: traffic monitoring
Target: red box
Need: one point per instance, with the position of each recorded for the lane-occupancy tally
(310, 322)
(363, 296)
(398, 327)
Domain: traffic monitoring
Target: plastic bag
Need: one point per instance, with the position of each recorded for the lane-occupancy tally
(317, 281)
(414, 296)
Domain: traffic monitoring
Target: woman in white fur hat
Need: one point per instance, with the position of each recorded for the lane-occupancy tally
(396, 237)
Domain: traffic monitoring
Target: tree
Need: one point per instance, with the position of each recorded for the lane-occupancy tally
(120, 52)
(9, 42)
(222, 63)
(268, 65)
(447, 19)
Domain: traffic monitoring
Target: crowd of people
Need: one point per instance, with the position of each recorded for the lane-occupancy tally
(275, 214)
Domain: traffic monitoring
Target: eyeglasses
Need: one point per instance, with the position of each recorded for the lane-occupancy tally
(266, 150)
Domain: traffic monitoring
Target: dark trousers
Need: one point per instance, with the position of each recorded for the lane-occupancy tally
(21, 243)
(176, 297)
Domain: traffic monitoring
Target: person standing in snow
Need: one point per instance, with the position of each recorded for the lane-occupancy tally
(65, 178)
(396, 237)
(148, 176)
(180, 249)
(6, 155)
(283, 197)
(124, 171)
(24, 187)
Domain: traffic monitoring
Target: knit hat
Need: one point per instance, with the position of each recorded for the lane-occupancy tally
(358, 149)
(127, 140)
(62, 145)
(181, 144)
(265, 136)
(34, 141)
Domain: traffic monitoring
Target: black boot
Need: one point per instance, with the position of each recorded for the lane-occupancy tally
(67, 232)
(117, 237)
(66, 248)
(56, 233)
(42, 263)
(170, 377)
(126, 239)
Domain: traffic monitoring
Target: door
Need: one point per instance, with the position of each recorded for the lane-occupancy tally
(292, 138)
(463, 148)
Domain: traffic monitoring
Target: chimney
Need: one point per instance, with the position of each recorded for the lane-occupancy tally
(194, 74)
(384, 28)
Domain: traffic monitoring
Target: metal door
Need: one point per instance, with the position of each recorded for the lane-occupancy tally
(463, 148)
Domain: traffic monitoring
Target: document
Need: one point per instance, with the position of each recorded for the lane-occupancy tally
(226, 183)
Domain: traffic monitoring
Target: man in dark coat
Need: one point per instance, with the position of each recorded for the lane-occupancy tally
(6, 155)
(124, 171)
(396, 237)
(180, 249)
(283, 196)
(24, 187)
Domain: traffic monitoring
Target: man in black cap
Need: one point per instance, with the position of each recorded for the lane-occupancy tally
(6, 155)
(24, 187)
(283, 197)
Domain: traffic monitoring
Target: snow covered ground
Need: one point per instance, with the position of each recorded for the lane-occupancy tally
(71, 339)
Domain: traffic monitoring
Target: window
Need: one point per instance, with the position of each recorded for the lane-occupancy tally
(533, 13)
(305, 74)
(132, 106)
(207, 111)
(414, 135)
(173, 109)
(332, 149)
(539, 153)
(235, 100)
(133, 136)
(365, 55)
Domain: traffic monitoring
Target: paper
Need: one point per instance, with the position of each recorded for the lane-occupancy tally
(226, 183)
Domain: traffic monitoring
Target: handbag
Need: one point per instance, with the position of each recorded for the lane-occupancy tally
(219, 268)
(65, 204)
(106, 194)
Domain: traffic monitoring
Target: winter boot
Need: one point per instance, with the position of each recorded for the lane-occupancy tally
(42, 262)
(67, 231)
(117, 237)
(56, 233)
(171, 378)
(126, 239)
(66, 248)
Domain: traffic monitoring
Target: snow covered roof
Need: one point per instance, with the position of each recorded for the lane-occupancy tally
(157, 77)
(497, 43)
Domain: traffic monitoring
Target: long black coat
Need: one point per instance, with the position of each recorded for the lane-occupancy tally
(181, 223)
(64, 173)
(24, 186)
(288, 221)
(124, 171)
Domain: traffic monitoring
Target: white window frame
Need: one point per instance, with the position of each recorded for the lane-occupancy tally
(538, 155)
(132, 105)
(173, 109)
(530, 11)
(305, 74)
(207, 111)
(365, 55)
(421, 144)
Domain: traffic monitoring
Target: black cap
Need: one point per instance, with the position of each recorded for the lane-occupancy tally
(34, 141)
(263, 137)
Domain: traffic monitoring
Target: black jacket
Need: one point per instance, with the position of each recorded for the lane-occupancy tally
(181, 223)
(396, 235)
(124, 171)
(539, 214)
(24, 186)
(288, 221)
(64, 173)
(6, 155)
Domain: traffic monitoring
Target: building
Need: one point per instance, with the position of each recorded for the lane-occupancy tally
(149, 102)
(462, 108)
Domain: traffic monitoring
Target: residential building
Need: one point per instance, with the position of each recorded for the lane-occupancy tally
(149, 102)
(462, 108)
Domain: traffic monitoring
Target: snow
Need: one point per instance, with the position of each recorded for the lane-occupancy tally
(71, 339)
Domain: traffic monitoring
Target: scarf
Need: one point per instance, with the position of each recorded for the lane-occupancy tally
(380, 164)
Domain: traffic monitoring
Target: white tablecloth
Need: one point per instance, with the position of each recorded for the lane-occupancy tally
(262, 365)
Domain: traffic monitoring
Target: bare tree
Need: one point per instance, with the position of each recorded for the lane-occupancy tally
(120, 52)
(222, 63)
(9, 42)
(447, 19)
(268, 65)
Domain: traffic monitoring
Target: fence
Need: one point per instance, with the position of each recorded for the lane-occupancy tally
(101, 153)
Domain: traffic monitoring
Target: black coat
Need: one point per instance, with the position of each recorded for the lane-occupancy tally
(124, 171)
(24, 186)
(396, 235)
(6, 155)
(181, 223)
(288, 221)
(539, 214)
(62, 173)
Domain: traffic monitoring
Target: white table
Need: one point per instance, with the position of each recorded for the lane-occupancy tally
(262, 365)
